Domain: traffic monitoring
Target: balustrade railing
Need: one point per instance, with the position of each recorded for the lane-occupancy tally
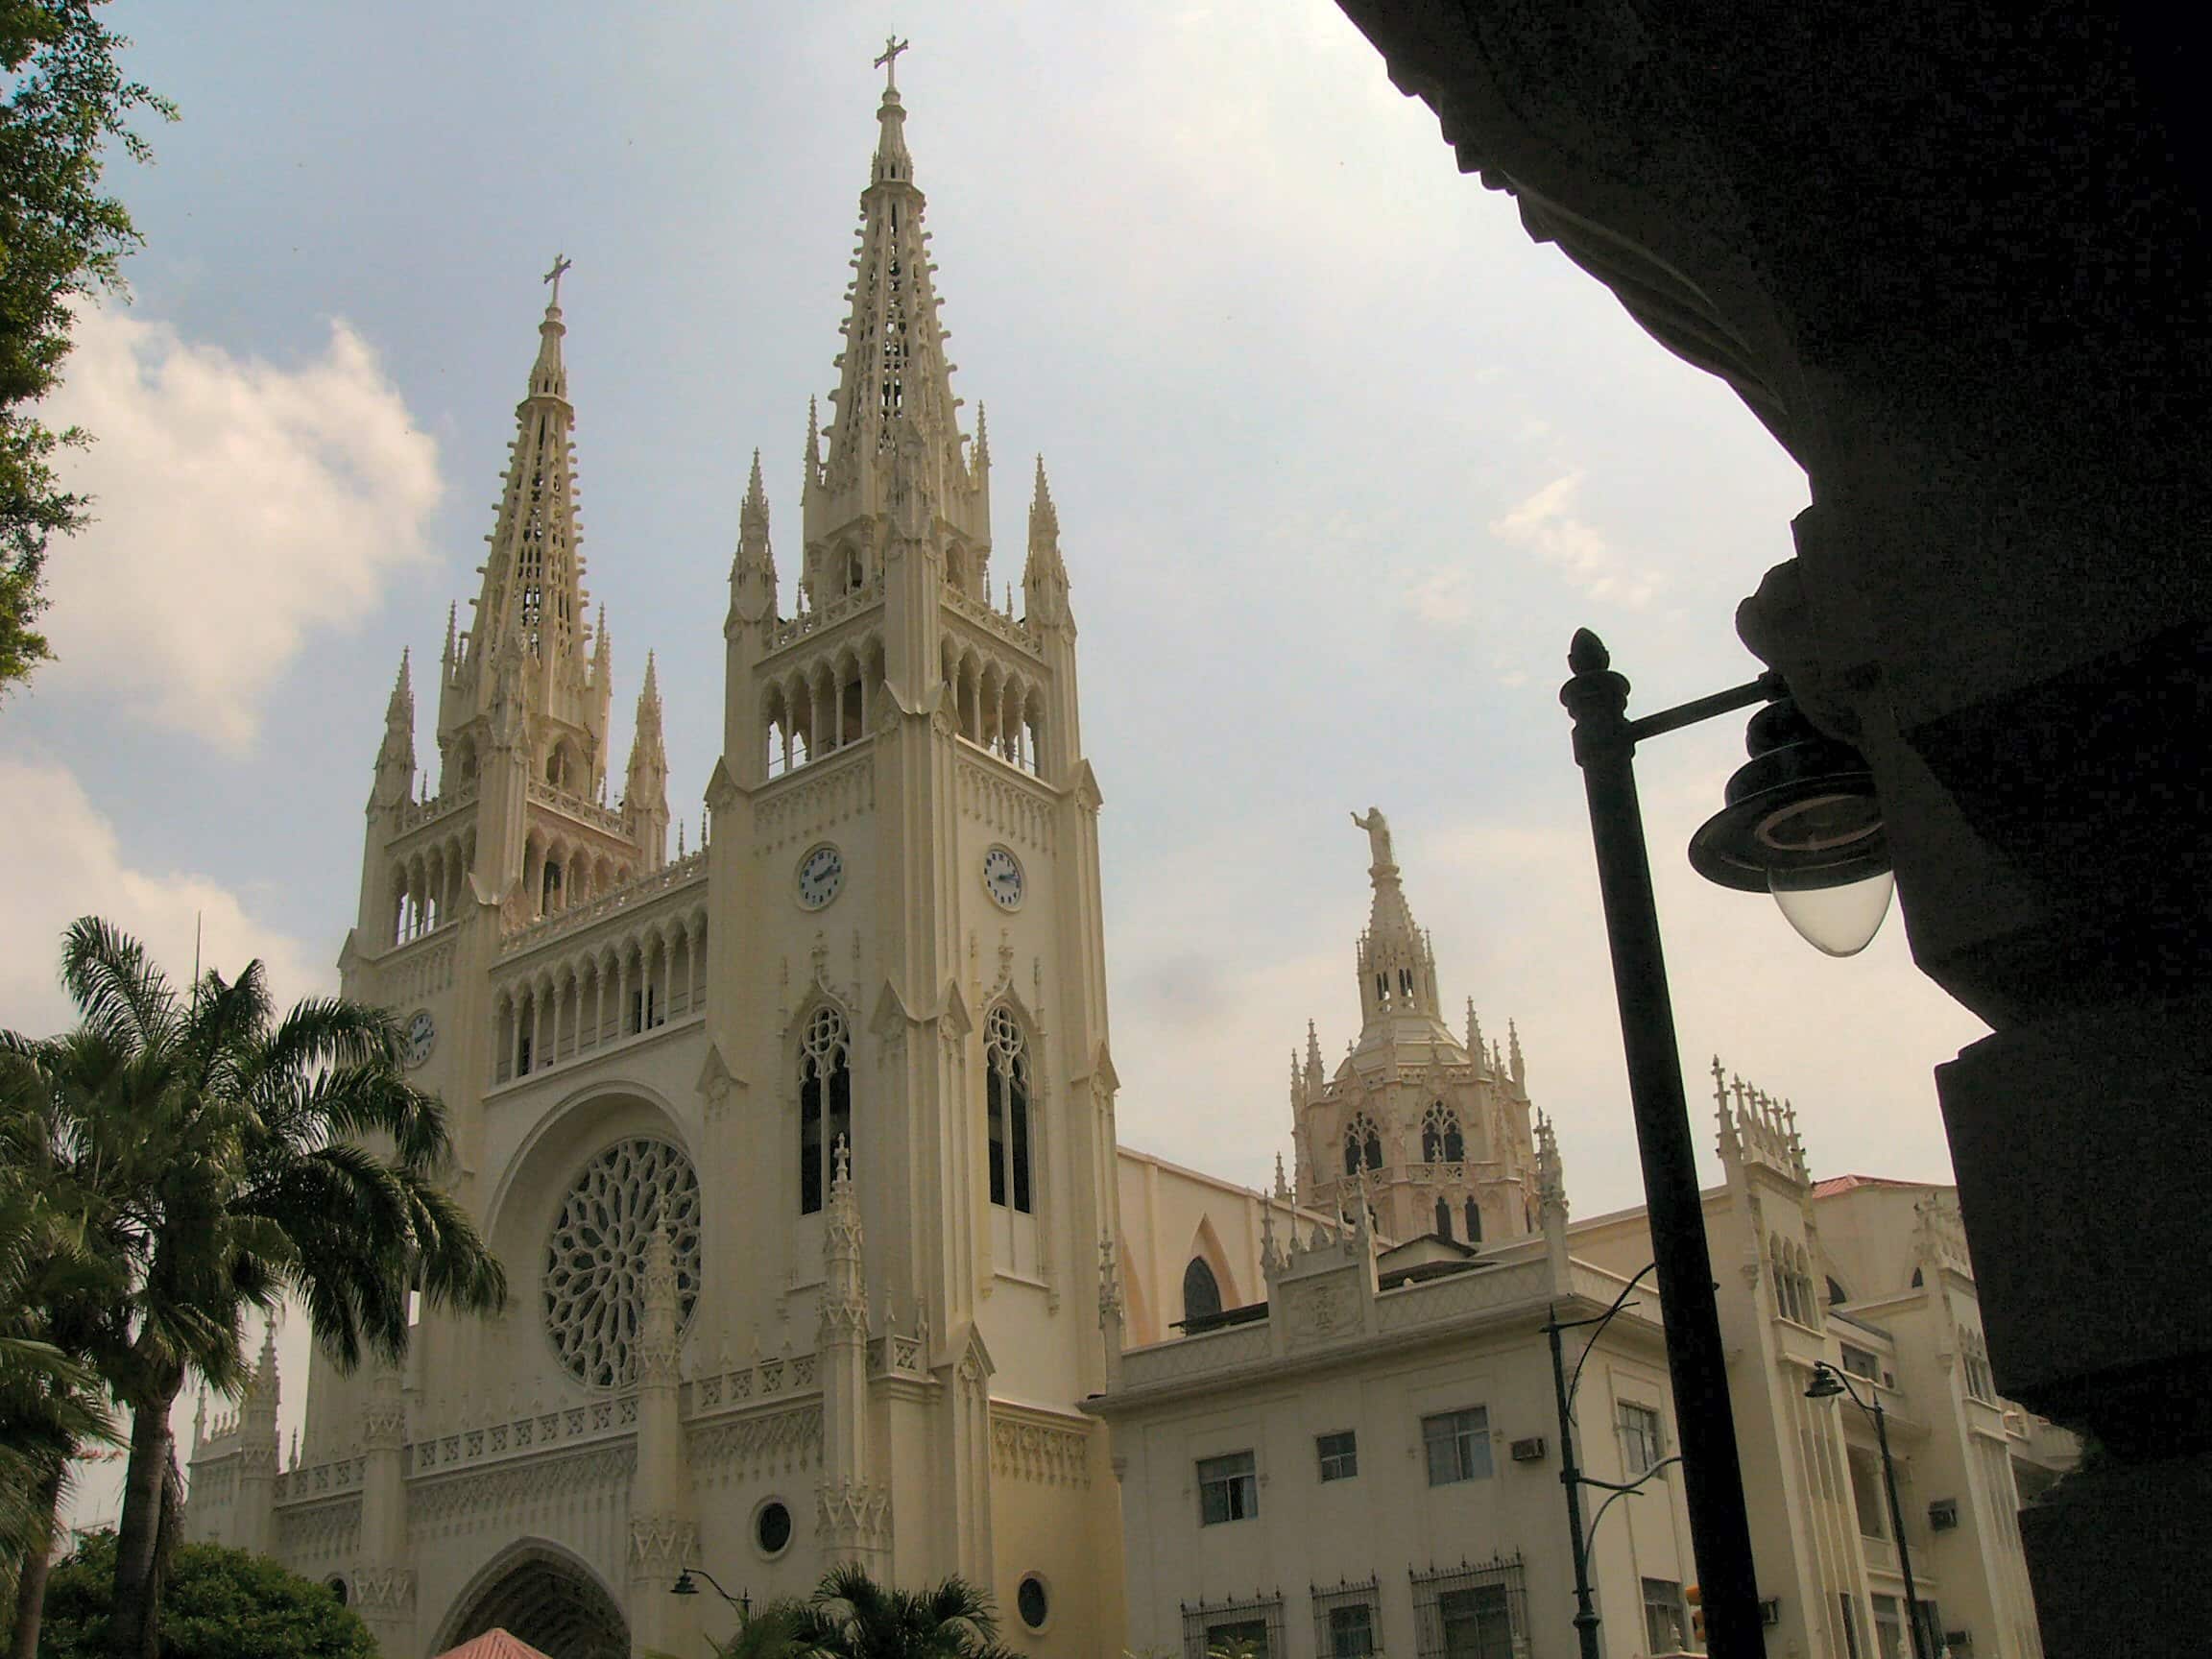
(640, 890)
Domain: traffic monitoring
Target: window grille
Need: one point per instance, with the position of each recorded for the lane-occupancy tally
(1860, 1363)
(1348, 1620)
(825, 1103)
(1228, 1488)
(1641, 1439)
(1254, 1626)
(1006, 1110)
(1666, 1621)
(1340, 1454)
(1457, 1444)
(1471, 1612)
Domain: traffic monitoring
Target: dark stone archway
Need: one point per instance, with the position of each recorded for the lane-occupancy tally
(544, 1596)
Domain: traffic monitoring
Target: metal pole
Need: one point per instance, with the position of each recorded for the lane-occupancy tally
(1897, 1525)
(1571, 1477)
(1713, 1476)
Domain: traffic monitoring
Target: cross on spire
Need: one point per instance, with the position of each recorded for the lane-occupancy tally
(889, 61)
(561, 263)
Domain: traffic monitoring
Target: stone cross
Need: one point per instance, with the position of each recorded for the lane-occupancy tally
(889, 61)
(561, 263)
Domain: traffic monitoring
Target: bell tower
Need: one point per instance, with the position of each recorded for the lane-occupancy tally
(1434, 1128)
(913, 1048)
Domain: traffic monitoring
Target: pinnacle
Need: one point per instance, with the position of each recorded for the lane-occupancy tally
(1044, 516)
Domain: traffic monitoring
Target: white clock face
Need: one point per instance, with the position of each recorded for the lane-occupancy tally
(821, 873)
(1002, 879)
(419, 1037)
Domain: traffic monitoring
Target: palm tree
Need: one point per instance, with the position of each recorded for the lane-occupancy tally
(248, 1140)
(852, 1617)
(57, 1285)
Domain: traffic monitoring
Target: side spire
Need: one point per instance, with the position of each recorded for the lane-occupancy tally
(1044, 577)
(645, 792)
(753, 572)
(396, 755)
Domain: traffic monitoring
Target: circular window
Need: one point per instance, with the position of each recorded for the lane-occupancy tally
(772, 1527)
(1032, 1603)
(595, 1256)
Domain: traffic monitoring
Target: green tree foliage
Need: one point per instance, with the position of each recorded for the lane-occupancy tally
(219, 1604)
(852, 1617)
(60, 237)
(223, 1166)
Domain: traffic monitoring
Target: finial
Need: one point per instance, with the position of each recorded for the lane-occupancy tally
(1586, 653)
(889, 61)
(561, 263)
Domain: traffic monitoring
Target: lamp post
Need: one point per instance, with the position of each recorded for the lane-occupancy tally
(1826, 1384)
(1571, 1474)
(742, 1600)
(1799, 815)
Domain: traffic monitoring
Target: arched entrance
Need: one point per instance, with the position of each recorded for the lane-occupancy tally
(541, 1595)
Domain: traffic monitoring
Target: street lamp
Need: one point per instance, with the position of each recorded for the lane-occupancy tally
(1826, 1384)
(1801, 822)
(742, 1600)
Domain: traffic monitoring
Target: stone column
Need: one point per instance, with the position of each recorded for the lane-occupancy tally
(662, 1535)
(383, 1583)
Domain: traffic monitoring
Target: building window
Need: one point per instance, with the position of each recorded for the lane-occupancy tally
(1471, 1612)
(1006, 1110)
(1243, 1629)
(1866, 1497)
(1348, 1622)
(1836, 1296)
(1640, 1447)
(1339, 1456)
(1474, 1222)
(1441, 1142)
(1847, 1605)
(1443, 1219)
(1666, 1622)
(1228, 1489)
(1201, 1291)
(1888, 1628)
(1458, 1445)
(1362, 1144)
(1032, 1603)
(824, 1104)
(1860, 1363)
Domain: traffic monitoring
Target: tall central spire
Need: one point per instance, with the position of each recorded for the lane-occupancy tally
(896, 438)
(1397, 966)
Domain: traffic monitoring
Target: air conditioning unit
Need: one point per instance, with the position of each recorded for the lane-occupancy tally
(1771, 1612)
(1943, 1515)
(1529, 1451)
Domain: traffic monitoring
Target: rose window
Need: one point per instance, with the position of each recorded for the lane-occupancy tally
(595, 1256)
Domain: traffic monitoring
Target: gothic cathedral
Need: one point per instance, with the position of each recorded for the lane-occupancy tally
(798, 1145)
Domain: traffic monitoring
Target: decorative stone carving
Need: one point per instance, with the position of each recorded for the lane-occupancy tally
(595, 1256)
(1038, 1451)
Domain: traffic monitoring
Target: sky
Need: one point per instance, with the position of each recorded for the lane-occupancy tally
(1341, 457)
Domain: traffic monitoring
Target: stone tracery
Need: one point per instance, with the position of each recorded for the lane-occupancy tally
(595, 1255)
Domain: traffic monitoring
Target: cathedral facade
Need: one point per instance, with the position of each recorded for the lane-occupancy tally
(798, 1145)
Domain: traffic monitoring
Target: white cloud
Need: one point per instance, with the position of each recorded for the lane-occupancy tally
(237, 506)
(66, 861)
(1546, 523)
(1442, 596)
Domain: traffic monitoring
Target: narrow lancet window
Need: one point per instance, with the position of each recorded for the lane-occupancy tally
(1006, 1110)
(825, 1103)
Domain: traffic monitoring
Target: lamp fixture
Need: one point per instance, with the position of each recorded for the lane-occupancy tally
(1803, 823)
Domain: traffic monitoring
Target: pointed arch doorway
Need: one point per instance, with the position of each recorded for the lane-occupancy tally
(541, 1595)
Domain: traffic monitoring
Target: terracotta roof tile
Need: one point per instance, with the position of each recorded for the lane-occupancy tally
(493, 1645)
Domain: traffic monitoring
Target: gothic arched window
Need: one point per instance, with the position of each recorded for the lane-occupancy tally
(1006, 1110)
(1201, 1291)
(1441, 1140)
(1474, 1223)
(1362, 1144)
(1443, 1218)
(825, 1103)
